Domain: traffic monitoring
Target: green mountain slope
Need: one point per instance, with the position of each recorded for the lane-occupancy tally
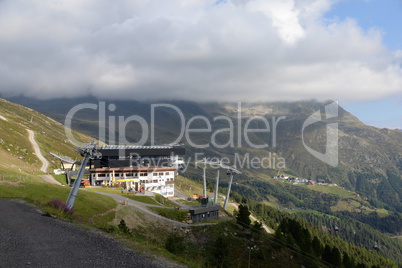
(369, 158)
(368, 164)
(17, 152)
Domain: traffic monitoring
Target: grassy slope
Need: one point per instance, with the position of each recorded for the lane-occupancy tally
(20, 165)
(49, 134)
(13, 168)
(18, 159)
(350, 201)
(87, 204)
(362, 149)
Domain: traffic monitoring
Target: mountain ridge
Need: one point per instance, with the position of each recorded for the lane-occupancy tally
(255, 187)
(369, 158)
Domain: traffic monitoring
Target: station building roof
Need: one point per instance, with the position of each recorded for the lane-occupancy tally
(127, 150)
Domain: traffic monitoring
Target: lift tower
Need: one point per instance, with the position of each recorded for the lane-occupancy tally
(89, 151)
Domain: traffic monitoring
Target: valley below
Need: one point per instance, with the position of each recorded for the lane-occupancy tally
(303, 212)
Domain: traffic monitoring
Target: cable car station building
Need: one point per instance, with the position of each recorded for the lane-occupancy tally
(142, 168)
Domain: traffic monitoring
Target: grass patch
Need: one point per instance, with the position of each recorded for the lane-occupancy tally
(105, 190)
(142, 198)
(231, 208)
(336, 190)
(164, 201)
(103, 221)
(382, 212)
(173, 214)
(86, 204)
(139, 198)
(216, 220)
(61, 178)
(345, 205)
(188, 203)
(187, 186)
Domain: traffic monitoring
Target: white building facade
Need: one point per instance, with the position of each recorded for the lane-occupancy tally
(139, 169)
(157, 180)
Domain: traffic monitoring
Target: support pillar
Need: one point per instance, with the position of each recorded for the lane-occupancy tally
(228, 193)
(216, 189)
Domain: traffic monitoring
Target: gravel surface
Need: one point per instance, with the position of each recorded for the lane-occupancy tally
(29, 239)
(143, 208)
(45, 163)
(50, 179)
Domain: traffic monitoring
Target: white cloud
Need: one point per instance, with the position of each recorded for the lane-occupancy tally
(249, 50)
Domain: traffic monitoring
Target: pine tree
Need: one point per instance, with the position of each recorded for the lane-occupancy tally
(326, 254)
(347, 262)
(220, 251)
(123, 227)
(336, 258)
(317, 246)
(257, 228)
(243, 216)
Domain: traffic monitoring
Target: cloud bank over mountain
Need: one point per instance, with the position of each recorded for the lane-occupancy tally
(200, 50)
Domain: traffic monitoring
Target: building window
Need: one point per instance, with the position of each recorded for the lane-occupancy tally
(155, 174)
(167, 173)
(161, 174)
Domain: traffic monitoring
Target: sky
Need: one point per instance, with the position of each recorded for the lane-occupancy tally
(207, 50)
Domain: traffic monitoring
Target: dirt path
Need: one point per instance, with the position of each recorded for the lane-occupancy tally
(45, 163)
(50, 179)
(252, 218)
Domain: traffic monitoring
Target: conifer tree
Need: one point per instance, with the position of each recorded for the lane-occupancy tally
(243, 216)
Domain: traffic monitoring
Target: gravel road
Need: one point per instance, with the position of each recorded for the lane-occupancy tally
(50, 179)
(38, 153)
(143, 208)
(29, 239)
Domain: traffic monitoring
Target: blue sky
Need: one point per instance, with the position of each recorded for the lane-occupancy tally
(385, 15)
(386, 113)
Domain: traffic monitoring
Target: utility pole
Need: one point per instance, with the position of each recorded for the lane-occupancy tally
(204, 190)
(89, 151)
(228, 192)
(216, 188)
(230, 171)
